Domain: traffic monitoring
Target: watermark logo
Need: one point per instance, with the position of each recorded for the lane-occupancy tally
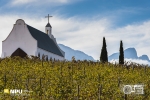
(6, 91)
(136, 89)
(18, 92)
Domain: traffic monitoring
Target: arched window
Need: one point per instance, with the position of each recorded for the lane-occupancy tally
(50, 58)
(43, 57)
(47, 31)
(47, 58)
(39, 55)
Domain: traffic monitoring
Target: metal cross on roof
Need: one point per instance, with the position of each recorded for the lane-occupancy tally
(48, 17)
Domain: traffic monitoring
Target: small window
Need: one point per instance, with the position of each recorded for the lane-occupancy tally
(43, 56)
(50, 58)
(39, 55)
(47, 31)
(47, 58)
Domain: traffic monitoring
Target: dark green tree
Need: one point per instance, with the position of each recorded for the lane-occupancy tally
(103, 56)
(121, 54)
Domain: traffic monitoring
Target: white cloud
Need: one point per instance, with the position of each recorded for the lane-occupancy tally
(20, 2)
(38, 2)
(86, 35)
(137, 61)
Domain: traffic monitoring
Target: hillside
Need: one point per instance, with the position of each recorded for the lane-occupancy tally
(71, 80)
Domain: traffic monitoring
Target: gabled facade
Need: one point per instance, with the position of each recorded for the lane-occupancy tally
(26, 40)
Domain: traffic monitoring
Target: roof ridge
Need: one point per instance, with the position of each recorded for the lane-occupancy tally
(36, 29)
(48, 25)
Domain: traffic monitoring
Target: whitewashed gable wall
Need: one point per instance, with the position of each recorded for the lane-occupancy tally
(19, 37)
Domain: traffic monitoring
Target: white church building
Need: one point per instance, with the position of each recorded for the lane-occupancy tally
(25, 40)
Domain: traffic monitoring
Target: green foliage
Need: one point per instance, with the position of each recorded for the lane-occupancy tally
(104, 56)
(86, 80)
(121, 54)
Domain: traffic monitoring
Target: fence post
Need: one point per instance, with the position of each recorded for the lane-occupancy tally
(78, 93)
(99, 78)
(5, 80)
(41, 90)
(84, 71)
(27, 83)
(132, 68)
(50, 86)
(99, 92)
(125, 96)
(61, 70)
(145, 69)
(40, 83)
(119, 81)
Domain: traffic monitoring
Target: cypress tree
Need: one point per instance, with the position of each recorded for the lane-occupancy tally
(121, 55)
(103, 56)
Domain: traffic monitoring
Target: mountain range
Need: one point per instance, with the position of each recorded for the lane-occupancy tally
(79, 55)
(129, 53)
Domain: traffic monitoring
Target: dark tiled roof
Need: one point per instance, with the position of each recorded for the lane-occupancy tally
(48, 25)
(44, 41)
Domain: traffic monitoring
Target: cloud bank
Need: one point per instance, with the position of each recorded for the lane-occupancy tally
(137, 61)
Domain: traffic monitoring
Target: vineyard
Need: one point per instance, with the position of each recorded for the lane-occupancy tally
(71, 80)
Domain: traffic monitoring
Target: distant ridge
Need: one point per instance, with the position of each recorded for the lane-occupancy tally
(79, 55)
(129, 53)
(144, 57)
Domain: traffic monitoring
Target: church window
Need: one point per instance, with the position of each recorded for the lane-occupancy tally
(47, 31)
(50, 58)
(47, 58)
(43, 57)
(39, 55)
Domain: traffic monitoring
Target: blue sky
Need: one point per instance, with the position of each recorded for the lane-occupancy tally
(126, 11)
(81, 24)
